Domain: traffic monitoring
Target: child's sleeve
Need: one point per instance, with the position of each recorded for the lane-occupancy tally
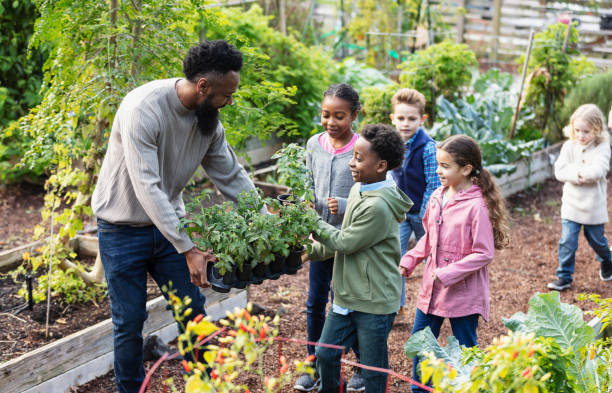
(600, 165)
(432, 181)
(419, 252)
(357, 236)
(483, 251)
(565, 170)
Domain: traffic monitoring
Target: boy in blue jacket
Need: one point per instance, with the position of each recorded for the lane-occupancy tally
(416, 177)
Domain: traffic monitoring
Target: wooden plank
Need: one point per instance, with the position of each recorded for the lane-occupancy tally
(13, 256)
(45, 363)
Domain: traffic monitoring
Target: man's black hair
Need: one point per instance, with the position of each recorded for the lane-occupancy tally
(386, 142)
(211, 56)
(345, 92)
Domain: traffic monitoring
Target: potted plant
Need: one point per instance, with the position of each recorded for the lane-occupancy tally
(293, 173)
(298, 222)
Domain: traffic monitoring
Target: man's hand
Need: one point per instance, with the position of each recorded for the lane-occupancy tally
(197, 261)
(332, 203)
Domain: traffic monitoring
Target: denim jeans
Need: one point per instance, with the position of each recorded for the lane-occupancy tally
(412, 223)
(568, 245)
(128, 254)
(371, 331)
(464, 330)
(319, 291)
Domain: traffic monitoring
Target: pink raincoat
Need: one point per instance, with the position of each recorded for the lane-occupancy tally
(458, 246)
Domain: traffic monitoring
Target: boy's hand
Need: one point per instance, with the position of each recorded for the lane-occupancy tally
(332, 203)
(305, 258)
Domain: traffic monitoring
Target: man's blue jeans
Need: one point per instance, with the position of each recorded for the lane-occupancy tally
(412, 223)
(464, 330)
(371, 331)
(128, 254)
(568, 245)
(319, 292)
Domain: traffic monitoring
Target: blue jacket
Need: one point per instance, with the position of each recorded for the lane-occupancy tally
(410, 177)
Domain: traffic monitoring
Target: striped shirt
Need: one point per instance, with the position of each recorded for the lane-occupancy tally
(153, 151)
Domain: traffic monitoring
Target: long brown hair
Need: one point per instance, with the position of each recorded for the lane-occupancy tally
(465, 151)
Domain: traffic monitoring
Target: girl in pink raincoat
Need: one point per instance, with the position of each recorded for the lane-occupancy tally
(465, 222)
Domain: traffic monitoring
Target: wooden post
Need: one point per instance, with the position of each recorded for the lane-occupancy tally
(399, 31)
(518, 101)
(460, 21)
(282, 17)
(496, 28)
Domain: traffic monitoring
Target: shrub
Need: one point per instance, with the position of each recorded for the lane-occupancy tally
(553, 72)
(595, 90)
(441, 69)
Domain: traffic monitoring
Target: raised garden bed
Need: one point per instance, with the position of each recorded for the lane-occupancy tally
(83, 355)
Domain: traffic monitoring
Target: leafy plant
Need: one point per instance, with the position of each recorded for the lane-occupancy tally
(293, 172)
(443, 69)
(377, 103)
(554, 71)
(298, 221)
(594, 89)
(482, 119)
(549, 349)
(240, 351)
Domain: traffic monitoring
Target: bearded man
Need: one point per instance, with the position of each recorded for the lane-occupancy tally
(161, 132)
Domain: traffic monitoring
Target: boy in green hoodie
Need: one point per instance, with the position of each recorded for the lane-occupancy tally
(366, 279)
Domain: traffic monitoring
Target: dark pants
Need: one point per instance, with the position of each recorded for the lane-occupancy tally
(371, 331)
(568, 245)
(412, 223)
(128, 254)
(319, 290)
(464, 330)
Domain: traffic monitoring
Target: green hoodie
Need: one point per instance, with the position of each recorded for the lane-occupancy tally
(367, 250)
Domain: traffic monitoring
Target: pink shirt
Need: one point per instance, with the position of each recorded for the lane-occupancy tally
(327, 146)
(458, 247)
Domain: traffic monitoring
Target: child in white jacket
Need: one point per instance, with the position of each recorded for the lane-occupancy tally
(583, 165)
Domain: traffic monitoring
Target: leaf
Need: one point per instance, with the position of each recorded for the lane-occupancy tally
(204, 327)
(548, 317)
(516, 323)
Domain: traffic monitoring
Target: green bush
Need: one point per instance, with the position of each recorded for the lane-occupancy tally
(596, 89)
(554, 72)
(281, 59)
(443, 69)
(377, 104)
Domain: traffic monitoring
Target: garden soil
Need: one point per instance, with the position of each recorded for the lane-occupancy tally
(517, 273)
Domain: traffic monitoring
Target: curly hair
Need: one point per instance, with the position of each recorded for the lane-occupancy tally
(386, 142)
(345, 92)
(211, 56)
(465, 151)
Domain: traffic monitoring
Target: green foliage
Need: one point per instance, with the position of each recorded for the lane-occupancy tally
(554, 71)
(280, 60)
(591, 90)
(549, 349)
(242, 234)
(443, 69)
(483, 119)
(377, 104)
(293, 172)
(358, 75)
(21, 76)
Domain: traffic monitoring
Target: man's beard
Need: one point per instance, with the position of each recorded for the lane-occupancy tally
(208, 117)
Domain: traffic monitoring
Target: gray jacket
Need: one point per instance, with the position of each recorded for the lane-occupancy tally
(331, 179)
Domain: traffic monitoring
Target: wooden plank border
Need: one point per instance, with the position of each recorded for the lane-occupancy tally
(84, 355)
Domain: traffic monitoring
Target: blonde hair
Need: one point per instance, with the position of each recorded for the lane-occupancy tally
(409, 97)
(593, 117)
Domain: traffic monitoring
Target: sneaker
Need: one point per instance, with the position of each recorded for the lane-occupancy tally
(559, 284)
(305, 383)
(356, 384)
(605, 272)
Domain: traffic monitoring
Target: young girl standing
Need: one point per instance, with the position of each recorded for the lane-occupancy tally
(328, 158)
(582, 165)
(465, 222)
